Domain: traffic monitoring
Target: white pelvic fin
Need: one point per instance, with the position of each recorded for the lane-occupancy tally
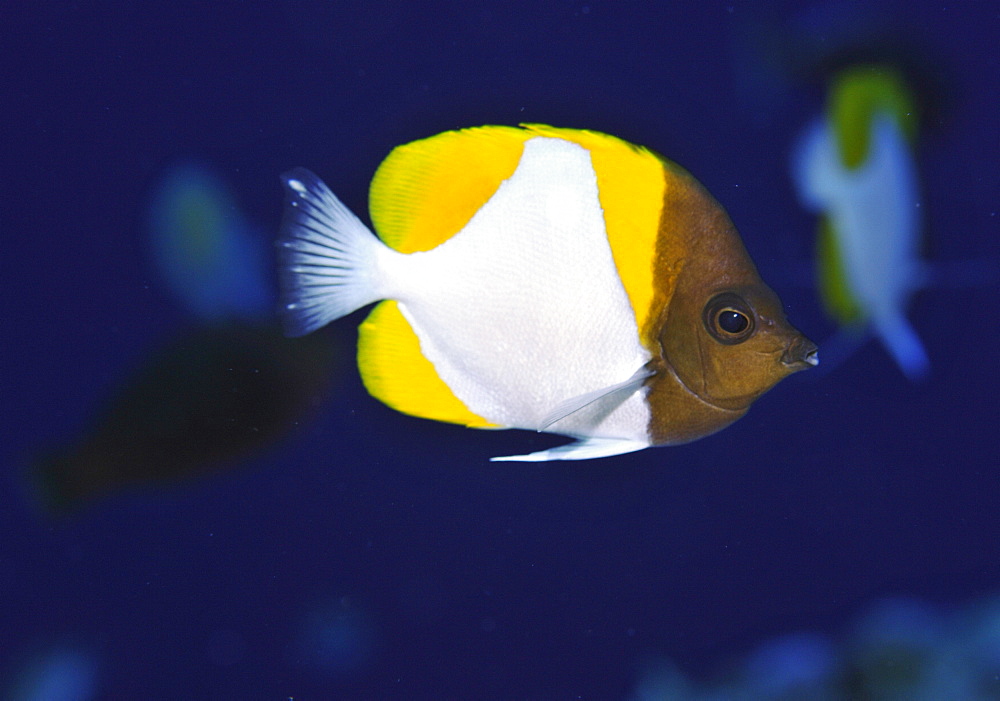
(328, 259)
(585, 449)
(622, 391)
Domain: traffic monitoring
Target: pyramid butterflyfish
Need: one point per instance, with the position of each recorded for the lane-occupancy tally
(541, 278)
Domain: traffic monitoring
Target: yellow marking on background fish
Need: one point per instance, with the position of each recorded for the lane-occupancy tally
(856, 96)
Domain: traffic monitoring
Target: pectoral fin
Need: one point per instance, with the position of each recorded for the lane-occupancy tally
(622, 391)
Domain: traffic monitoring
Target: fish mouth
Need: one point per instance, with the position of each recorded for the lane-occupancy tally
(800, 354)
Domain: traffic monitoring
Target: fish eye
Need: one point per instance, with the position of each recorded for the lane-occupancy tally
(728, 318)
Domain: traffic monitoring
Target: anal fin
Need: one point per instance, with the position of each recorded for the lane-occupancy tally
(395, 371)
(585, 449)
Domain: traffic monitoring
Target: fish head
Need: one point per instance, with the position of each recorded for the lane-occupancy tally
(730, 344)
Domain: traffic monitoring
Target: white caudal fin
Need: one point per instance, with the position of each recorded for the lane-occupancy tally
(328, 259)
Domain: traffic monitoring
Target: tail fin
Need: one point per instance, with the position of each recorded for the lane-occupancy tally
(328, 259)
(904, 346)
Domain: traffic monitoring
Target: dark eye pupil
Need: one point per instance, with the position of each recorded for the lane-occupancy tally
(728, 318)
(732, 321)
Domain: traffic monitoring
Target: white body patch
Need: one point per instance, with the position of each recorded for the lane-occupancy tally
(523, 309)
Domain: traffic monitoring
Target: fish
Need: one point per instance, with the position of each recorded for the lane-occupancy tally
(208, 253)
(855, 167)
(207, 401)
(541, 278)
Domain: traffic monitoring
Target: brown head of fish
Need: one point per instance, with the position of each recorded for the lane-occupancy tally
(719, 335)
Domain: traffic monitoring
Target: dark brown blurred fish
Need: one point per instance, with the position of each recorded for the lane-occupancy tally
(201, 403)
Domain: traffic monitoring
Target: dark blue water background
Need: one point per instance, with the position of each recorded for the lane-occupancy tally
(373, 555)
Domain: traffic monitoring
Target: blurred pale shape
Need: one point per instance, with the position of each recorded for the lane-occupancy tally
(212, 258)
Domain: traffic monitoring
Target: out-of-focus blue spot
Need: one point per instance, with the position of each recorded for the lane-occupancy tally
(899, 622)
(60, 674)
(985, 636)
(791, 665)
(212, 258)
(661, 679)
(336, 638)
(979, 646)
(903, 649)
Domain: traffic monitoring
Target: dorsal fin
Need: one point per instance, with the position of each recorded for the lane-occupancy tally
(426, 191)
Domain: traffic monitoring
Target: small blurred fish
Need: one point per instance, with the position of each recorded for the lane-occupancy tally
(552, 279)
(855, 166)
(212, 258)
(199, 404)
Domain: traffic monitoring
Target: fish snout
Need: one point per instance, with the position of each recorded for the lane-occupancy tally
(800, 354)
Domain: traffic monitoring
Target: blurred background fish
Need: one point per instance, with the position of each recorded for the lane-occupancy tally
(855, 165)
(211, 257)
(202, 402)
(223, 388)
